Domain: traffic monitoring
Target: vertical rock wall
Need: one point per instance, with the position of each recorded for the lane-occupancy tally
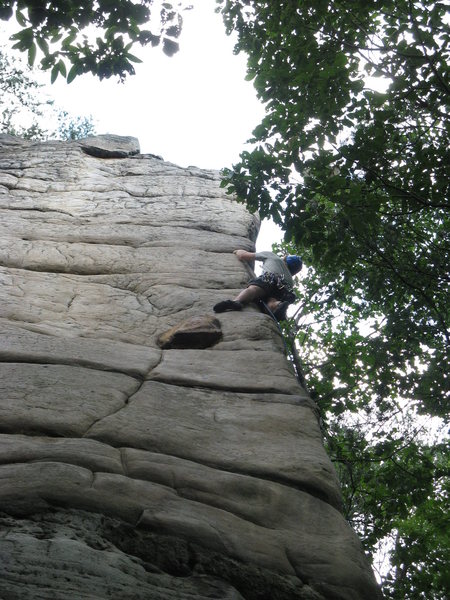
(128, 471)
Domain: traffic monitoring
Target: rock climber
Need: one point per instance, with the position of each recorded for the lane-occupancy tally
(275, 286)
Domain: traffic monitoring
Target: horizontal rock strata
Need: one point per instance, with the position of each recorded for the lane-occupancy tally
(136, 468)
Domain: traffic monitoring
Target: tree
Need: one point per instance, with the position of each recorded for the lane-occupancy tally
(62, 31)
(357, 178)
(395, 496)
(26, 112)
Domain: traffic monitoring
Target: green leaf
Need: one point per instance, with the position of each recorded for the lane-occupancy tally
(31, 54)
(54, 73)
(340, 59)
(43, 45)
(133, 58)
(24, 37)
(21, 19)
(72, 74)
(67, 41)
(62, 68)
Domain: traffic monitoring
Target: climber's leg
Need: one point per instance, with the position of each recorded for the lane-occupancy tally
(250, 294)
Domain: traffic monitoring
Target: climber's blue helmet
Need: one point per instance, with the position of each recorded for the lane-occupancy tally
(294, 263)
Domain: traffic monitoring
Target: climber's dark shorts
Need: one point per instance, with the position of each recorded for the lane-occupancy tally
(275, 286)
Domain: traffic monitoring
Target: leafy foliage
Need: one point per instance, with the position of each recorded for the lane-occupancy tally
(397, 491)
(26, 112)
(62, 32)
(358, 180)
(73, 127)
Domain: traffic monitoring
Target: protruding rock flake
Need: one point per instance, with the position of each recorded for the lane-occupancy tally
(197, 332)
(148, 448)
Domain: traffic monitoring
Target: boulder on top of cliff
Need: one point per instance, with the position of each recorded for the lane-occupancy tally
(110, 146)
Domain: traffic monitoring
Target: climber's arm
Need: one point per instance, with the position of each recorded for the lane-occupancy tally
(243, 255)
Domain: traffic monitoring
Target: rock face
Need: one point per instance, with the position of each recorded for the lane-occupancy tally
(131, 471)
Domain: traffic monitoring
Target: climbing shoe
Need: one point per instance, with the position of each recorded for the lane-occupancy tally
(227, 305)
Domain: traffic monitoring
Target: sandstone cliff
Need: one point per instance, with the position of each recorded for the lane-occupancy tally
(132, 471)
